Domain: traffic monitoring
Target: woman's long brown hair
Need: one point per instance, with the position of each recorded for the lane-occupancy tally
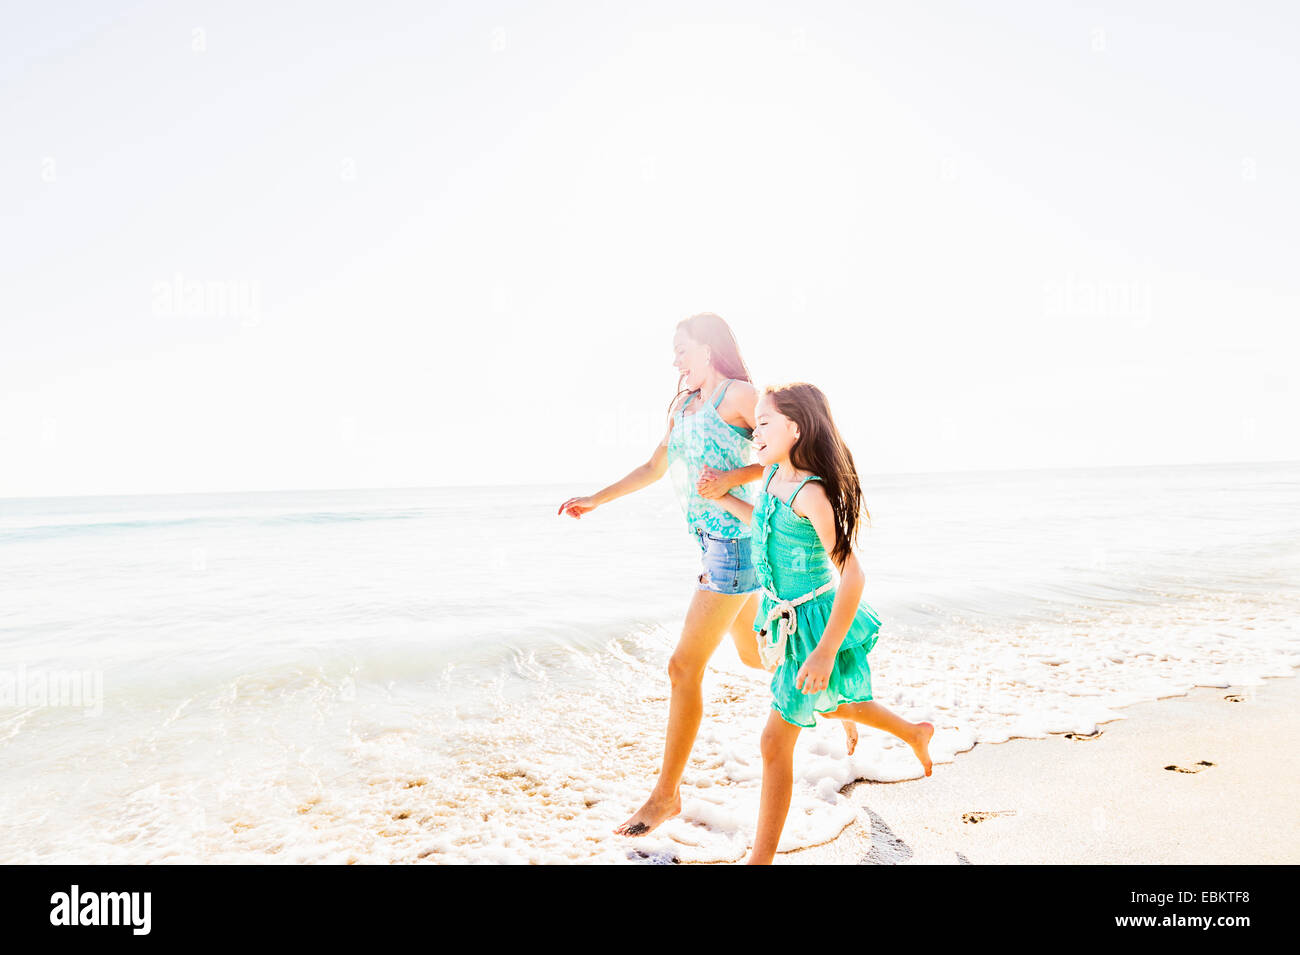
(724, 354)
(821, 450)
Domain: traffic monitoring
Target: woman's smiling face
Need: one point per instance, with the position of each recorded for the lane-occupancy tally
(774, 433)
(691, 359)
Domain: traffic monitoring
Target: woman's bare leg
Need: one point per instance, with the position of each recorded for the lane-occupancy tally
(746, 641)
(707, 620)
(915, 735)
(779, 738)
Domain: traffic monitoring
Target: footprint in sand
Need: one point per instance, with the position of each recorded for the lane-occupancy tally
(974, 817)
(1235, 698)
(1083, 736)
(1201, 764)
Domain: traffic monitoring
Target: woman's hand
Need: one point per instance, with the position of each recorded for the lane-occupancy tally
(713, 483)
(575, 507)
(815, 673)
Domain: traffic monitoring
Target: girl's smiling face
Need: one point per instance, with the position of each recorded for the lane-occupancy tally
(774, 433)
(691, 359)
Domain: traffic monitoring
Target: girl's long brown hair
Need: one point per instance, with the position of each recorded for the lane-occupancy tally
(821, 450)
(724, 354)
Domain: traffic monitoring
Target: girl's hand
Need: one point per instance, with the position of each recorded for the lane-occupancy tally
(815, 674)
(713, 483)
(575, 507)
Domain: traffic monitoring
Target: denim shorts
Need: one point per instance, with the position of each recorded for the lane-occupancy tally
(726, 565)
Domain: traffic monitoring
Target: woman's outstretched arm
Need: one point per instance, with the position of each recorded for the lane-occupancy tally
(634, 480)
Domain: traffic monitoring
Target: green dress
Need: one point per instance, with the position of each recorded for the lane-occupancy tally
(791, 562)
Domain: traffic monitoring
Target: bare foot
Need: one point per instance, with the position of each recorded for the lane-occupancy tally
(649, 816)
(850, 735)
(921, 744)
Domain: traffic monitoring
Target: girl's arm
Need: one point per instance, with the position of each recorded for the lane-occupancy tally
(816, 670)
(715, 484)
(634, 480)
(741, 509)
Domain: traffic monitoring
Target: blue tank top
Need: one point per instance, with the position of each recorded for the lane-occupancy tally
(704, 439)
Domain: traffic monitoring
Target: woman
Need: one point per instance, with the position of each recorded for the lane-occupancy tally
(707, 451)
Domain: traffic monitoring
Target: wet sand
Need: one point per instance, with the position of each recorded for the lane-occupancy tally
(1103, 800)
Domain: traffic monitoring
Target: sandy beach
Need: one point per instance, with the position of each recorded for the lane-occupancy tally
(1102, 800)
(511, 708)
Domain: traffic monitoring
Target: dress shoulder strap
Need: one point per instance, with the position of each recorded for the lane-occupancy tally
(721, 392)
(771, 469)
(811, 477)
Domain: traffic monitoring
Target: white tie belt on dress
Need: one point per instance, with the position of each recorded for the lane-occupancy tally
(771, 653)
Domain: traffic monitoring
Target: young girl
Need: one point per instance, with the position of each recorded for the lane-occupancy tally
(815, 635)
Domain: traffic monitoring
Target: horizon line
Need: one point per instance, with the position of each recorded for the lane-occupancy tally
(420, 487)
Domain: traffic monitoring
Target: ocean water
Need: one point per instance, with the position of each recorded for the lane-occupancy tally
(457, 675)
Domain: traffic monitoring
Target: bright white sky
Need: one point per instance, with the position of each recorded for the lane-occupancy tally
(449, 246)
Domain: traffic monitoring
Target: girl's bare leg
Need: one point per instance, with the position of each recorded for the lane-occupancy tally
(746, 641)
(743, 635)
(779, 738)
(708, 618)
(915, 735)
